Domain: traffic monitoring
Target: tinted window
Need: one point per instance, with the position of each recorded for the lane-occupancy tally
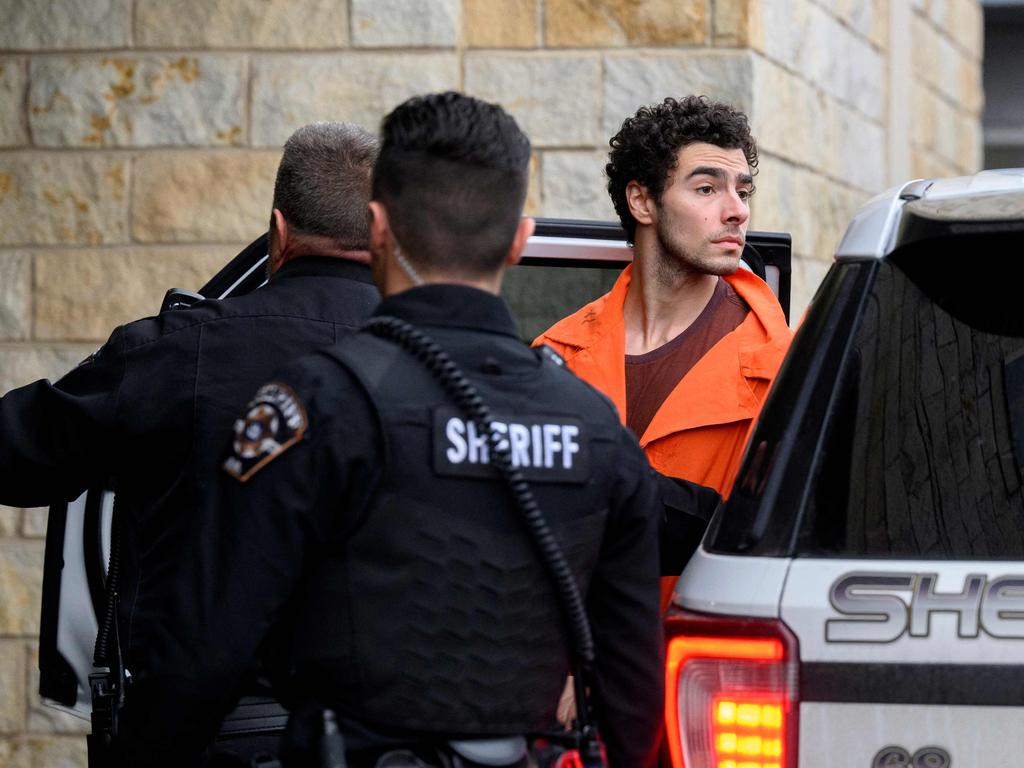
(541, 296)
(923, 459)
(896, 425)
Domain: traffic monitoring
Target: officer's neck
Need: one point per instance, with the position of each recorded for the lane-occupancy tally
(396, 280)
(302, 246)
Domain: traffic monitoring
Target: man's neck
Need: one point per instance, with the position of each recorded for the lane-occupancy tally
(662, 302)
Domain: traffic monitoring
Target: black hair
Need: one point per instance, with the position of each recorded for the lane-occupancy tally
(646, 148)
(452, 173)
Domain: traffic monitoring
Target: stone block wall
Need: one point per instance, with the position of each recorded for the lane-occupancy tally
(139, 140)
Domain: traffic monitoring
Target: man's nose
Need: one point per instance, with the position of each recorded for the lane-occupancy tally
(736, 210)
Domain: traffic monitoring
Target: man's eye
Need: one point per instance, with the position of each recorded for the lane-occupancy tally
(705, 189)
(745, 194)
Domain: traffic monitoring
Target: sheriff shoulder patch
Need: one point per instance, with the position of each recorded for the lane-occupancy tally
(274, 421)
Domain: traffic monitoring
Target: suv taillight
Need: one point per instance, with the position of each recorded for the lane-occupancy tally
(730, 692)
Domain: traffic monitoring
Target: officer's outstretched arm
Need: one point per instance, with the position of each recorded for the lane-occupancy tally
(54, 438)
(624, 612)
(686, 509)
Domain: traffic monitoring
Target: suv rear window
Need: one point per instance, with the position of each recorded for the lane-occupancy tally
(910, 442)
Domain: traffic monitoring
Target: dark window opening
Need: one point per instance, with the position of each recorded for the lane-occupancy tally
(921, 461)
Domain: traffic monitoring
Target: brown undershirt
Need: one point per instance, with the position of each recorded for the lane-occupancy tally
(652, 376)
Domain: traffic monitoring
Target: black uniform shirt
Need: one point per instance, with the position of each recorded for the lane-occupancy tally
(149, 413)
(314, 485)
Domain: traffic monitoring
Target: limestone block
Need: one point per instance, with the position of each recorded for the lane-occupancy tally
(923, 164)
(805, 38)
(635, 80)
(925, 51)
(202, 196)
(948, 60)
(784, 30)
(241, 23)
(532, 206)
(59, 198)
(535, 90)
(63, 24)
(840, 204)
(48, 752)
(15, 295)
(782, 190)
(21, 364)
(607, 23)
(938, 12)
(864, 83)
(68, 284)
(969, 145)
(137, 101)
(863, 151)
(807, 276)
(859, 15)
(41, 718)
(737, 23)
(405, 23)
(500, 23)
(816, 57)
(967, 26)
(923, 108)
(879, 32)
(33, 522)
(13, 81)
(946, 134)
(971, 91)
(21, 577)
(9, 517)
(289, 91)
(575, 186)
(12, 686)
(793, 119)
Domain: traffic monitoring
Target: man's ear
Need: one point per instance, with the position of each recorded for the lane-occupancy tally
(640, 202)
(523, 232)
(278, 239)
(380, 229)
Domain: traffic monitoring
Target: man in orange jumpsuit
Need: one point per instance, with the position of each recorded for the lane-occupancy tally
(686, 344)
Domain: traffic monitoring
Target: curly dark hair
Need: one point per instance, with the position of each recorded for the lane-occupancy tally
(647, 146)
(453, 172)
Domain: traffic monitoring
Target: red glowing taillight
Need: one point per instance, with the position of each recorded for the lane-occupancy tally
(730, 692)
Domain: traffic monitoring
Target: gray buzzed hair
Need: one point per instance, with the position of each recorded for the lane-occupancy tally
(323, 182)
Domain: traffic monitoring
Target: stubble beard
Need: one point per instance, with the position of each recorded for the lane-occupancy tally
(675, 260)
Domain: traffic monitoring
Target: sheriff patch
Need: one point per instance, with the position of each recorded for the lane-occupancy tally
(274, 421)
(545, 448)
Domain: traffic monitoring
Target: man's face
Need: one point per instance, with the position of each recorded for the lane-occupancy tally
(701, 221)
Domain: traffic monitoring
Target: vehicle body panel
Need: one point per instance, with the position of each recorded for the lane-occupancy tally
(709, 584)
(853, 735)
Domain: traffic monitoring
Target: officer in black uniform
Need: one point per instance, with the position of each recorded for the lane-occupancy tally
(361, 513)
(150, 411)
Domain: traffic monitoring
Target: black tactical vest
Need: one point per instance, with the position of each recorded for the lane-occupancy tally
(436, 614)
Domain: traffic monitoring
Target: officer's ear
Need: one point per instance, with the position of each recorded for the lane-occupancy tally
(380, 230)
(278, 239)
(523, 233)
(640, 202)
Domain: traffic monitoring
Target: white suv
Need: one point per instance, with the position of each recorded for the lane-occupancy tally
(858, 601)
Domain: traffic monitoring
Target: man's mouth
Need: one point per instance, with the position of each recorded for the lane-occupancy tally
(729, 240)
